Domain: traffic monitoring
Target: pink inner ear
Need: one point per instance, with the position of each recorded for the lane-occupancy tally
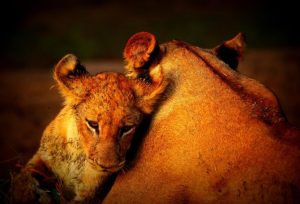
(138, 48)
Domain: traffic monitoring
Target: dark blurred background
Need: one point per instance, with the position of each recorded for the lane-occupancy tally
(36, 34)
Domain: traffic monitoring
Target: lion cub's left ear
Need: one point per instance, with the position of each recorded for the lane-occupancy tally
(70, 74)
(231, 51)
(141, 55)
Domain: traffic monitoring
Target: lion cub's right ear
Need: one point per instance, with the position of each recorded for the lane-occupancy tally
(70, 74)
(141, 54)
(140, 51)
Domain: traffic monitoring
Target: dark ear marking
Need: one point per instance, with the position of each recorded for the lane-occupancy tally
(69, 67)
(78, 71)
(148, 92)
(231, 51)
(69, 75)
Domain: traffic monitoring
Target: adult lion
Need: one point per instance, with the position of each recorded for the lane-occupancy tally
(218, 137)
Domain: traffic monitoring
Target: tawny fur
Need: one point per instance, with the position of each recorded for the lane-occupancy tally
(219, 137)
(88, 140)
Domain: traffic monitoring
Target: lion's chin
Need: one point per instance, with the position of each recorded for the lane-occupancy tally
(107, 169)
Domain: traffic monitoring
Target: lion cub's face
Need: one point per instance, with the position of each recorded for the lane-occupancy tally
(107, 108)
(107, 119)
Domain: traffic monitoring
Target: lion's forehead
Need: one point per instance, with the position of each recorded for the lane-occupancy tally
(110, 112)
(109, 85)
(109, 95)
(111, 105)
(112, 97)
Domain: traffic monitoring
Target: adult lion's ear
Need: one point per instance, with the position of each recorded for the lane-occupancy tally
(231, 51)
(149, 92)
(139, 53)
(69, 74)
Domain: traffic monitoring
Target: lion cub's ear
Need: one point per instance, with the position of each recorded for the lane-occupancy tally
(149, 92)
(231, 51)
(139, 53)
(69, 75)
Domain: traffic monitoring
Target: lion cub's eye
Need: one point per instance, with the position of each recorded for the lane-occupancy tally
(93, 124)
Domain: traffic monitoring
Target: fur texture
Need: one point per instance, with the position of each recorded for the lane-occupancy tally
(88, 140)
(218, 137)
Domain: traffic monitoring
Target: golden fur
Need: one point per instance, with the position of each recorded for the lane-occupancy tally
(219, 137)
(88, 140)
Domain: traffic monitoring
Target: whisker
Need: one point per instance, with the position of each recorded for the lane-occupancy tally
(125, 169)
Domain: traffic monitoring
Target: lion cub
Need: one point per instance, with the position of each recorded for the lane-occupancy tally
(88, 140)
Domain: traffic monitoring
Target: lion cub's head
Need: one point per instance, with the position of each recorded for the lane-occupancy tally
(107, 108)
